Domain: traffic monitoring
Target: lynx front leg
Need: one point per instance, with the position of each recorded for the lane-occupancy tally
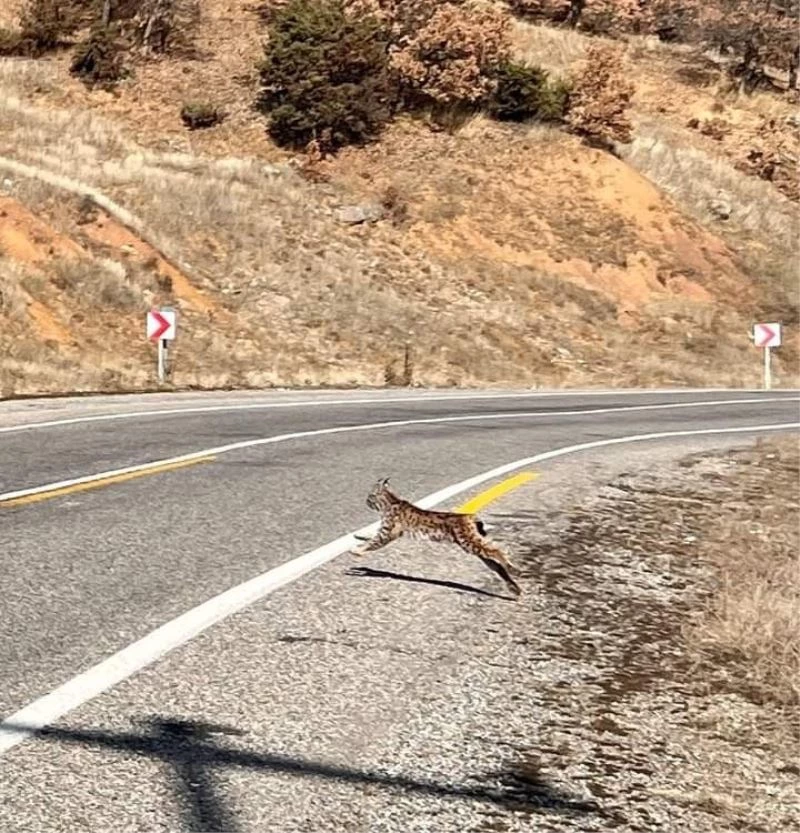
(384, 536)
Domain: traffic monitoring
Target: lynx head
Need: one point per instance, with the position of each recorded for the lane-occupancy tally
(379, 495)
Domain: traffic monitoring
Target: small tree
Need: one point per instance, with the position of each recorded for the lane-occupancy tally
(442, 52)
(98, 60)
(601, 96)
(452, 57)
(527, 92)
(325, 76)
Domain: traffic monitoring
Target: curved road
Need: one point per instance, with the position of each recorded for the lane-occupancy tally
(88, 572)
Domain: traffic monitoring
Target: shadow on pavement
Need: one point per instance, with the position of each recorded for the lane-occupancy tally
(369, 572)
(195, 754)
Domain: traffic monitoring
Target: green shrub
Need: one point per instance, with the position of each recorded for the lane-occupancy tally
(523, 92)
(325, 76)
(199, 114)
(554, 100)
(98, 60)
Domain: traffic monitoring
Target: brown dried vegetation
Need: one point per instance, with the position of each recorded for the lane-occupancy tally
(601, 96)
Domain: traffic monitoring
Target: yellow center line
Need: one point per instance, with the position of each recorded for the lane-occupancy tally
(105, 481)
(494, 492)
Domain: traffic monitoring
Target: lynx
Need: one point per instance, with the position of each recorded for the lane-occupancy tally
(400, 517)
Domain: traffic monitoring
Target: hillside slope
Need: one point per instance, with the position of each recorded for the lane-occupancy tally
(502, 255)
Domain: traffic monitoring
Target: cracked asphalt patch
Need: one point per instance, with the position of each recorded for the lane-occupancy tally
(403, 693)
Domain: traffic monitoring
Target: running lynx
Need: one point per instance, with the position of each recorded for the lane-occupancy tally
(399, 517)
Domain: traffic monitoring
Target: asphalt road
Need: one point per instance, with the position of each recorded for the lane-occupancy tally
(172, 426)
(87, 573)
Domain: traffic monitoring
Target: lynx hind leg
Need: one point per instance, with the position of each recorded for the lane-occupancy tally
(495, 559)
(502, 570)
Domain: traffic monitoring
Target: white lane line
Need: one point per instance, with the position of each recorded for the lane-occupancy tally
(372, 426)
(375, 400)
(118, 667)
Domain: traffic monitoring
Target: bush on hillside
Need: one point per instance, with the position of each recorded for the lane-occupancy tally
(672, 21)
(11, 42)
(201, 114)
(402, 18)
(325, 76)
(451, 56)
(756, 34)
(443, 53)
(161, 26)
(523, 92)
(601, 96)
(98, 60)
(772, 155)
(541, 11)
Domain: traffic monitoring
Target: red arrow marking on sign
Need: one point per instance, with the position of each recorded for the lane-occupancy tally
(163, 325)
(765, 334)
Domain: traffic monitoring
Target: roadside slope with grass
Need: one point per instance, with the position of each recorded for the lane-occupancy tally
(501, 254)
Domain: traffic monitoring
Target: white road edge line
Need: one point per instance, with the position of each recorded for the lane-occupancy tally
(123, 664)
(371, 426)
(374, 400)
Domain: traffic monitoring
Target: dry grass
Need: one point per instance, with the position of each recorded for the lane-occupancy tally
(24, 76)
(342, 302)
(100, 283)
(9, 12)
(673, 85)
(752, 621)
(763, 228)
(13, 300)
(696, 179)
(714, 803)
(555, 49)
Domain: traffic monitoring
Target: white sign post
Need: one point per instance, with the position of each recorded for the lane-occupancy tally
(161, 327)
(767, 336)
